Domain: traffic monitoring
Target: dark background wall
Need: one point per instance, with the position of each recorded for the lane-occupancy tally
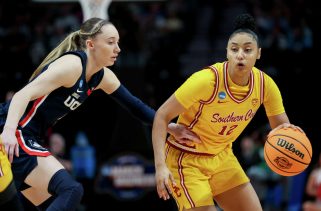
(162, 43)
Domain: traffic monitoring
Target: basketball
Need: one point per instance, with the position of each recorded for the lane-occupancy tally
(287, 152)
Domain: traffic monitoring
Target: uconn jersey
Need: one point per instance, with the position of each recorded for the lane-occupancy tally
(41, 114)
(47, 110)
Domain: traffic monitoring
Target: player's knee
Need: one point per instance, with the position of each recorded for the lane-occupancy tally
(62, 182)
(66, 190)
(77, 190)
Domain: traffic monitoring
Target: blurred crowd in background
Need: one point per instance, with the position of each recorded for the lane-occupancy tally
(162, 43)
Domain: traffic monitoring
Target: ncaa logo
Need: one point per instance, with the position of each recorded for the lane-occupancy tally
(222, 95)
(81, 83)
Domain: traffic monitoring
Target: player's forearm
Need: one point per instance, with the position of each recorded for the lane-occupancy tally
(17, 107)
(134, 105)
(159, 133)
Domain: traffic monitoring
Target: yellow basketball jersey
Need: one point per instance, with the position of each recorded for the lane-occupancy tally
(219, 110)
(5, 169)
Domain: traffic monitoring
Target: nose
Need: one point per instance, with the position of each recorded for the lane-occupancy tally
(240, 55)
(117, 49)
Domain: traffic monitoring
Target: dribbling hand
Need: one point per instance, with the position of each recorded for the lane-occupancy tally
(286, 125)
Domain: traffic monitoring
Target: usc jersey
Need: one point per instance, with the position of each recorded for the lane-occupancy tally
(218, 110)
(5, 170)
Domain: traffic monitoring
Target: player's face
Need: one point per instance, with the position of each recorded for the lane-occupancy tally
(242, 53)
(106, 48)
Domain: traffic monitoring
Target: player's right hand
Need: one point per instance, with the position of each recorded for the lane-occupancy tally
(182, 134)
(164, 180)
(10, 143)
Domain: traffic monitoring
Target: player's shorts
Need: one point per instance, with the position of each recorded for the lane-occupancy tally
(199, 178)
(29, 150)
(5, 169)
(7, 188)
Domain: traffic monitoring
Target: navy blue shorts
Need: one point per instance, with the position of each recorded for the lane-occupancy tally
(29, 150)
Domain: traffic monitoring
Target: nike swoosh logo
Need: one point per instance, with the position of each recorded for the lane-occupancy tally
(79, 91)
(222, 101)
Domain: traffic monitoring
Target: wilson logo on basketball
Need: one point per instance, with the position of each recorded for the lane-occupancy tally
(282, 162)
(290, 147)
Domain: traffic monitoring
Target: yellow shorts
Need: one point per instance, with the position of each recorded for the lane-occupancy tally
(199, 178)
(5, 169)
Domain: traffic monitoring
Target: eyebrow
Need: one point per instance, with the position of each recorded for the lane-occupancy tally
(247, 43)
(114, 38)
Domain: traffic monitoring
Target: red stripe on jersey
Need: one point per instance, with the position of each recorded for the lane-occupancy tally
(228, 90)
(166, 151)
(1, 172)
(32, 111)
(180, 148)
(181, 175)
(262, 87)
(210, 100)
(28, 150)
(216, 86)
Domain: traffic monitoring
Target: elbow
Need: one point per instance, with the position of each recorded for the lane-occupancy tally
(160, 115)
(17, 96)
(20, 96)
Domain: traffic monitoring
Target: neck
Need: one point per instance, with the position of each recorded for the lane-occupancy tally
(91, 67)
(239, 77)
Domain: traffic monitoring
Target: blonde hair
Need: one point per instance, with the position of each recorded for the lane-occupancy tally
(74, 41)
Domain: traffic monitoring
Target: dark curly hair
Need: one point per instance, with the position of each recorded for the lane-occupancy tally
(245, 23)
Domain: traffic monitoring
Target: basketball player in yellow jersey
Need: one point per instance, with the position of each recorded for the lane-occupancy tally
(8, 192)
(216, 103)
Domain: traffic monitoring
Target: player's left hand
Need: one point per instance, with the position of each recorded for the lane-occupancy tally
(182, 134)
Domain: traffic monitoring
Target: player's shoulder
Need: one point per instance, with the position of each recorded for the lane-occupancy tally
(74, 59)
(69, 61)
(205, 74)
(208, 71)
(266, 76)
(218, 66)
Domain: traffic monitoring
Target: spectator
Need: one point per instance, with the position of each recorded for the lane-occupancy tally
(57, 146)
(313, 189)
(83, 157)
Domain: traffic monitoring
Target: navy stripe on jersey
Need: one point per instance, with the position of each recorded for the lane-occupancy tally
(45, 111)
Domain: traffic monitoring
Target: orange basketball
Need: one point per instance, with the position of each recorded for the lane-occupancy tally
(287, 152)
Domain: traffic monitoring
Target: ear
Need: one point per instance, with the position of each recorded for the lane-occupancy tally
(259, 54)
(89, 43)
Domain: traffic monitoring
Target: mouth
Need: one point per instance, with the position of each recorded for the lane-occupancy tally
(240, 65)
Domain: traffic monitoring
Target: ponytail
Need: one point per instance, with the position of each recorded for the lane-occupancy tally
(70, 43)
(74, 41)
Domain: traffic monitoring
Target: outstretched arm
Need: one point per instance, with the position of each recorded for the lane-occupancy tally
(112, 86)
(134, 105)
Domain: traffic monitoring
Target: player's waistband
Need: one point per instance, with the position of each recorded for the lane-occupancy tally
(187, 149)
